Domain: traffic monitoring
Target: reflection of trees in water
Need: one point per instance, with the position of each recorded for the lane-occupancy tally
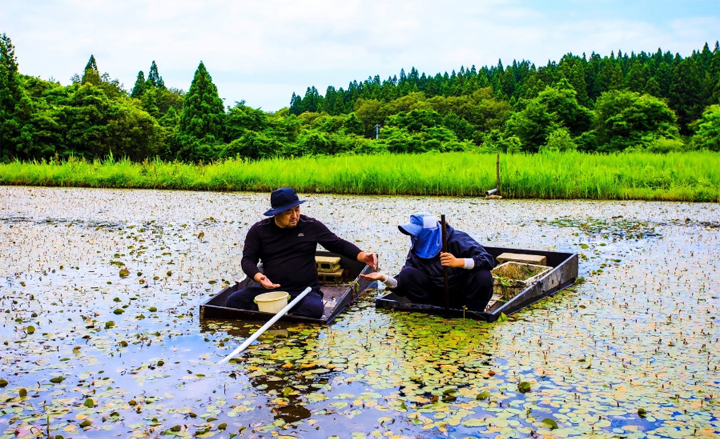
(282, 380)
(274, 384)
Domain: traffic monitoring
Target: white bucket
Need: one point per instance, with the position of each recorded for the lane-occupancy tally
(272, 302)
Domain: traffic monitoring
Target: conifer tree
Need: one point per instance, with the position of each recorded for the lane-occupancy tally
(92, 64)
(154, 79)
(139, 87)
(686, 95)
(636, 77)
(652, 87)
(577, 79)
(609, 77)
(203, 110)
(714, 76)
(10, 95)
(169, 119)
(295, 104)
(91, 73)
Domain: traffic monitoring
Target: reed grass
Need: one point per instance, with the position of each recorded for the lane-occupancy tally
(688, 176)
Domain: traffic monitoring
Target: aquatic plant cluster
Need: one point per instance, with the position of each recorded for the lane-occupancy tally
(693, 176)
(100, 290)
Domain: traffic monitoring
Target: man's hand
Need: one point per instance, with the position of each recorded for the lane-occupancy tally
(448, 260)
(368, 258)
(374, 276)
(265, 282)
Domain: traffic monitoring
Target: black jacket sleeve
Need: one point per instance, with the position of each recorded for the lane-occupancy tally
(462, 245)
(251, 253)
(334, 243)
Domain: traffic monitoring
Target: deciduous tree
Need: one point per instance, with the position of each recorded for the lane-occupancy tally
(626, 119)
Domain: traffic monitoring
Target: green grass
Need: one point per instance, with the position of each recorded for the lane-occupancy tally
(690, 176)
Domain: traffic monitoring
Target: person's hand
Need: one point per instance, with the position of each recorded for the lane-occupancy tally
(369, 259)
(374, 276)
(265, 281)
(448, 260)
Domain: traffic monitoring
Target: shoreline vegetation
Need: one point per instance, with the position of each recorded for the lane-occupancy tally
(653, 102)
(687, 176)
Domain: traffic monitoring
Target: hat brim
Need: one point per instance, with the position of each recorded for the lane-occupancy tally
(410, 229)
(280, 209)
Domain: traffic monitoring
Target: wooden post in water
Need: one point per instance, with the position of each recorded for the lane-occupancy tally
(497, 173)
(445, 269)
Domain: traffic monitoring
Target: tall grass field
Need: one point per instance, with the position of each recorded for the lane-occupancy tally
(688, 176)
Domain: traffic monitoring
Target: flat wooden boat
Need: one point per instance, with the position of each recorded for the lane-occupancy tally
(341, 285)
(561, 272)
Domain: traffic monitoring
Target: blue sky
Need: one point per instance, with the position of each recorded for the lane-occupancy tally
(262, 51)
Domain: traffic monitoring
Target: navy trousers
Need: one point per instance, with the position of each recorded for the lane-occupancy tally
(310, 306)
(473, 288)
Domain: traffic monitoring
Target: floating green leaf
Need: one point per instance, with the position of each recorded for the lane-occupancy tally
(483, 395)
(550, 423)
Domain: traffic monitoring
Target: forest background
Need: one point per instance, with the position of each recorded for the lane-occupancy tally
(653, 102)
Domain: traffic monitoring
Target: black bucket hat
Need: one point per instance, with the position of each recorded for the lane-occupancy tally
(283, 199)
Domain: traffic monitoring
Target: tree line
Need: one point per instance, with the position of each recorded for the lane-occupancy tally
(655, 102)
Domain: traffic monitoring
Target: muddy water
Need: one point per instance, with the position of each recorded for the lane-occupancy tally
(99, 293)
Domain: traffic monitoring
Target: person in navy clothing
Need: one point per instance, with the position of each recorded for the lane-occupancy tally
(422, 278)
(285, 243)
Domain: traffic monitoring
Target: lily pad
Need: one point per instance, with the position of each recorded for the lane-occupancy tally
(550, 423)
(483, 395)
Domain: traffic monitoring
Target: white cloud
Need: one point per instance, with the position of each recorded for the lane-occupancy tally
(262, 51)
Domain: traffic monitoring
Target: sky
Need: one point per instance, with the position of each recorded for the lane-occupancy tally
(261, 51)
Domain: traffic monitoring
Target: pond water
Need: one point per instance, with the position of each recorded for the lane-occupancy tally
(100, 290)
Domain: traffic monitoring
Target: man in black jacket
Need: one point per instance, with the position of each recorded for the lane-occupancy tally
(422, 278)
(286, 244)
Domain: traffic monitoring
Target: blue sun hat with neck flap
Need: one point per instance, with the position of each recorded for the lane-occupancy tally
(425, 233)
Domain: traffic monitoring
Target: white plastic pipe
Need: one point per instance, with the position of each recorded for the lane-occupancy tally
(264, 328)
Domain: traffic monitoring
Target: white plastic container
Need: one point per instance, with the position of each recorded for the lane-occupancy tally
(272, 302)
